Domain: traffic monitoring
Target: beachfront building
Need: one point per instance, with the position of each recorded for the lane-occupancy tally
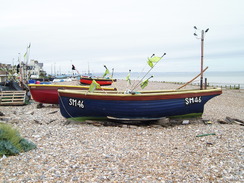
(32, 70)
(35, 69)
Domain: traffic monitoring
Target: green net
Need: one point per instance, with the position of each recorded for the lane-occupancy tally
(7, 148)
(11, 143)
(26, 145)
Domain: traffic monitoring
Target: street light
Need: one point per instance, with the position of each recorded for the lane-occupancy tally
(202, 46)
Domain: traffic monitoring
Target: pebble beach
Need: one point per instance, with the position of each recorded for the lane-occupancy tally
(70, 151)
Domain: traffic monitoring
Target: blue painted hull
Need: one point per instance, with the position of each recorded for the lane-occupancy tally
(71, 107)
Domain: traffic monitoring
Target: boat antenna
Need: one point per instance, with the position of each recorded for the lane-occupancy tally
(112, 73)
(139, 75)
(147, 72)
(88, 69)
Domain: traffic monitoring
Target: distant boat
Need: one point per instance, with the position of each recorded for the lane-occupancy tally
(48, 93)
(102, 81)
(136, 105)
(62, 80)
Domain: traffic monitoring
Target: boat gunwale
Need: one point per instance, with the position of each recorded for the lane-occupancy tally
(67, 86)
(52, 85)
(140, 93)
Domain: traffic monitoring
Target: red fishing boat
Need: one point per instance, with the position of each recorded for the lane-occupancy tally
(48, 93)
(102, 81)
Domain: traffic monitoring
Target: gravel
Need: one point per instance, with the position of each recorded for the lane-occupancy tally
(82, 152)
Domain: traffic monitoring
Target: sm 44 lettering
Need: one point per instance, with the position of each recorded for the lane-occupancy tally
(193, 100)
(76, 103)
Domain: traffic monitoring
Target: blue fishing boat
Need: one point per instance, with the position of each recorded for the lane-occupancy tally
(134, 105)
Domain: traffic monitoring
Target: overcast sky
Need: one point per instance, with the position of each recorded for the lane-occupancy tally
(123, 34)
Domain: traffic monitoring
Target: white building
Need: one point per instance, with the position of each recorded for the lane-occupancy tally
(35, 69)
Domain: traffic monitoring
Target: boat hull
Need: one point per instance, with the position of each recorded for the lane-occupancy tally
(146, 105)
(101, 81)
(48, 93)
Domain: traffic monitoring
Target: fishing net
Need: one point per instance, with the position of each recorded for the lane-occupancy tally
(11, 143)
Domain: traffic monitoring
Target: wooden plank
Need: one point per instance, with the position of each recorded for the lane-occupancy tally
(13, 94)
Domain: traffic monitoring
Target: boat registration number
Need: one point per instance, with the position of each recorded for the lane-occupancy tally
(76, 103)
(193, 100)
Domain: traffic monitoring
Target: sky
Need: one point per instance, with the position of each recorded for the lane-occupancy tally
(123, 34)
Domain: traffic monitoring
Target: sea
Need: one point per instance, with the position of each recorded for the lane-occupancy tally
(218, 79)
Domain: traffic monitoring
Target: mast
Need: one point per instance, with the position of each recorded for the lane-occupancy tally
(20, 70)
(88, 69)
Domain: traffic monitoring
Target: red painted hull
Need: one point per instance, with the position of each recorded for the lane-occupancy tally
(48, 94)
(101, 81)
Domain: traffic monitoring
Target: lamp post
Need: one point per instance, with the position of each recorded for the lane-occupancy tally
(202, 49)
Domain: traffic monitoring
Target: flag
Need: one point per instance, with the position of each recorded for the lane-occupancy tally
(145, 83)
(106, 72)
(153, 60)
(93, 86)
(128, 77)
